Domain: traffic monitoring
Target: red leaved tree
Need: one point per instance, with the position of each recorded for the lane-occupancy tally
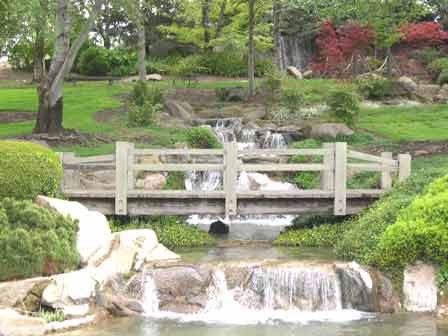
(424, 34)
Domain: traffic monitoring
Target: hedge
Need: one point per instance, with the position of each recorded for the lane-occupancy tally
(28, 170)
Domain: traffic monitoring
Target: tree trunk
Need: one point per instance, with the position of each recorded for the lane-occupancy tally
(39, 44)
(51, 88)
(277, 36)
(141, 51)
(206, 4)
(220, 24)
(251, 54)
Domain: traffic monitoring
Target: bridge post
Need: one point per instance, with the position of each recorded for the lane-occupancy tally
(404, 167)
(230, 177)
(72, 177)
(386, 177)
(340, 179)
(327, 176)
(121, 178)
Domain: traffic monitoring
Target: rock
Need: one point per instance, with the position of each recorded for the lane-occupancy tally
(69, 289)
(32, 301)
(356, 288)
(14, 292)
(293, 71)
(152, 182)
(119, 305)
(179, 110)
(154, 77)
(161, 253)
(420, 288)
(442, 312)
(308, 74)
(94, 235)
(231, 94)
(408, 85)
(330, 130)
(442, 96)
(128, 252)
(387, 300)
(428, 92)
(14, 324)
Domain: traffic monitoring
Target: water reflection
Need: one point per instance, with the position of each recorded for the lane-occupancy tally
(387, 325)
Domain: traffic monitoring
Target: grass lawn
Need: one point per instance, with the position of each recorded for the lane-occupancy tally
(407, 123)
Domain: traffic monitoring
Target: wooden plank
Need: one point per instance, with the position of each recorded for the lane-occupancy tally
(373, 167)
(386, 176)
(165, 167)
(121, 178)
(327, 176)
(340, 184)
(368, 157)
(180, 151)
(281, 167)
(90, 159)
(130, 168)
(304, 151)
(405, 163)
(230, 178)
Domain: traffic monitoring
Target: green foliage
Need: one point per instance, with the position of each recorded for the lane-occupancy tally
(326, 235)
(121, 62)
(344, 106)
(35, 241)
(374, 87)
(292, 100)
(202, 137)
(306, 180)
(28, 170)
(146, 104)
(427, 55)
(442, 276)
(443, 77)
(93, 62)
(361, 240)
(420, 233)
(51, 316)
(364, 180)
(21, 56)
(438, 66)
(170, 231)
(175, 181)
(161, 65)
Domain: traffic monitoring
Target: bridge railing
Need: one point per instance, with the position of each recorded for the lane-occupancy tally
(336, 163)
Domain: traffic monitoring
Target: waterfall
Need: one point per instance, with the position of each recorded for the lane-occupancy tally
(295, 51)
(247, 139)
(274, 141)
(290, 293)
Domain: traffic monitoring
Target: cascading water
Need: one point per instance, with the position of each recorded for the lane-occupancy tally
(209, 181)
(290, 293)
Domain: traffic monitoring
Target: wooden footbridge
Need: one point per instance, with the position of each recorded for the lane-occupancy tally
(336, 164)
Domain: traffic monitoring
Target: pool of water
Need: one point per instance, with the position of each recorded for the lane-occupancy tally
(382, 325)
(255, 252)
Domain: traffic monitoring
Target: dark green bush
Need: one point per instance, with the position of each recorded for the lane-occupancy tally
(161, 65)
(374, 87)
(35, 241)
(170, 231)
(326, 235)
(420, 233)
(94, 62)
(28, 170)
(146, 104)
(202, 137)
(121, 62)
(344, 106)
(443, 78)
(427, 55)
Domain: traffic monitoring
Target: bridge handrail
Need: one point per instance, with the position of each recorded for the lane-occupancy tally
(337, 162)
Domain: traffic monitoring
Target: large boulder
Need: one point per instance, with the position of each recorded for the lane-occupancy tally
(420, 288)
(179, 110)
(442, 95)
(406, 86)
(293, 71)
(14, 324)
(94, 235)
(152, 182)
(428, 91)
(330, 130)
(16, 292)
(232, 94)
(154, 77)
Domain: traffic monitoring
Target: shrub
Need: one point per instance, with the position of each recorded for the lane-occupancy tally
(442, 276)
(427, 55)
(175, 181)
(438, 66)
(326, 235)
(366, 229)
(144, 115)
(170, 231)
(94, 62)
(292, 99)
(121, 62)
(420, 233)
(306, 180)
(443, 78)
(28, 170)
(374, 87)
(202, 137)
(35, 241)
(344, 106)
(161, 65)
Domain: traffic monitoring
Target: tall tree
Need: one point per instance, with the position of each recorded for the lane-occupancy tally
(276, 8)
(206, 25)
(51, 88)
(136, 11)
(251, 47)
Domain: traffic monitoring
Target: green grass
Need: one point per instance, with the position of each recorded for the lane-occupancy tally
(407, 123)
